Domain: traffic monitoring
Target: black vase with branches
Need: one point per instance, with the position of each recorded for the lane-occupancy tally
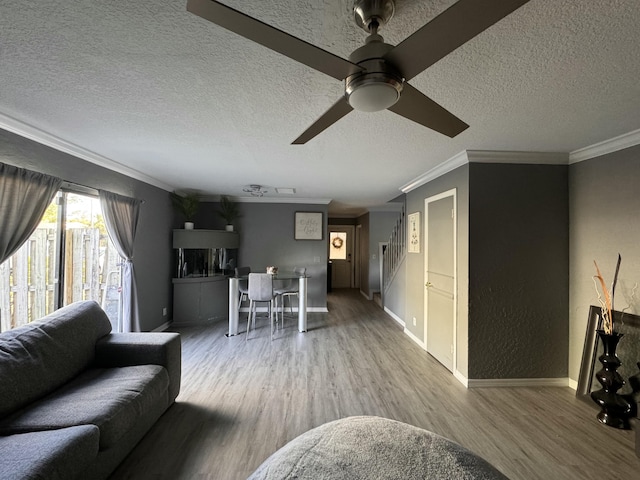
(615, 409)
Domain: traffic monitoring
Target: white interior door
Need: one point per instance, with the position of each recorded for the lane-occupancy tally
(440, 281)
(341, 255)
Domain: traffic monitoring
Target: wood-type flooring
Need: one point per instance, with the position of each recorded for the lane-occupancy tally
(242, 400)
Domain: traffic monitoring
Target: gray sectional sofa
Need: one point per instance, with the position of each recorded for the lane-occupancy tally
(76, 398)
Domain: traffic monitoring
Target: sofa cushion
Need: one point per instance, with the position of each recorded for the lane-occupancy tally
(40, 357)
(54, 455)
(372, 447)
(110, 398)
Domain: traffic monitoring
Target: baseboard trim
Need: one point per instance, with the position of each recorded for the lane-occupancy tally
(162, 327)
(461, 378)
(317, 310)
(517, 382)
(415, 339)
(490, 382)
(395, 317)
(365, 295)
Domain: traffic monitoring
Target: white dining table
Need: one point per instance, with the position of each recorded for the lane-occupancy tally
(234, 311)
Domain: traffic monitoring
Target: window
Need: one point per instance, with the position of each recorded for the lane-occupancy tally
(337, 246)
(68, 258)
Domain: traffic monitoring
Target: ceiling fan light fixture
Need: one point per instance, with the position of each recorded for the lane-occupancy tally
(255, 190)
(373, 94)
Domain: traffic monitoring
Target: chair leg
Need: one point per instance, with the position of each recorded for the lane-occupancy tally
(284, 307)
(281, 297)
(271, 316)
(251, 305)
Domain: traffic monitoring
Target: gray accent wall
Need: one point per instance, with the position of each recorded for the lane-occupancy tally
(518, 271)
(267, 238)
(604, 212)
(152, 250)
(512, 270)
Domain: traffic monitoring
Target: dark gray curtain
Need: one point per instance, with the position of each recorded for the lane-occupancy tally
(24, 197)
(121, 217)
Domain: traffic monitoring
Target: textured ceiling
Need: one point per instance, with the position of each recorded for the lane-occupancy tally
(149, 87)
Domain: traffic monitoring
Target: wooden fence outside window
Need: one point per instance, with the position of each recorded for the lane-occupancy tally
(28, 279)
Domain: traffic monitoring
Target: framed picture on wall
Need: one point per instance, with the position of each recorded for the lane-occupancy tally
(413, 233)
(308, 226)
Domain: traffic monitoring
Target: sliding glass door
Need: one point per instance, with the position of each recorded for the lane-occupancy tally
(68, 258)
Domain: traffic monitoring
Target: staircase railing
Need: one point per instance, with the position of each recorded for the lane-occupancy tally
(395, 250)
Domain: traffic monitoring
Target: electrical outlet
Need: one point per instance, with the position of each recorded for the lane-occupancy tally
(414, 321)
(164, 312)
(316, 259)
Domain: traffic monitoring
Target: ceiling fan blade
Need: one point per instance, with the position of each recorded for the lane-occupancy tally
(416, 106)
(452, 28)
(331, 116)
(272, 38)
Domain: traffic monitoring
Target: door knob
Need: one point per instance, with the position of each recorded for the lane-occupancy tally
(428, 284)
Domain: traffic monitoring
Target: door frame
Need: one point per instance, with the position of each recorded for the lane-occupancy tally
(449, 193)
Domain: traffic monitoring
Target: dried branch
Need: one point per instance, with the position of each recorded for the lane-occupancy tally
(607, 318)
(615, 281)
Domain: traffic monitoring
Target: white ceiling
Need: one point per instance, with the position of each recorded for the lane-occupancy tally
(147, 88)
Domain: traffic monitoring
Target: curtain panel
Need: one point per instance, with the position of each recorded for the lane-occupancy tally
(121, 218)
(24, 197)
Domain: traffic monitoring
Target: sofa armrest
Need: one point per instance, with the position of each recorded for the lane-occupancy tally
(148, 348)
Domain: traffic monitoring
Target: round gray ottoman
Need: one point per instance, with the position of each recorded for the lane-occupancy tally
(373, 448)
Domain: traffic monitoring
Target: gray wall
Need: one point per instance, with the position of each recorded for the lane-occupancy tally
(414, 287)
(518, 271)
(267, 238)
(393, 299)
(380, 227)
(152, 250)
(604, 210)
(512, 270)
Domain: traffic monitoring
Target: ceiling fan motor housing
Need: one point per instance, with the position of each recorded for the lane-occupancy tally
(379, 85)
(365, 12)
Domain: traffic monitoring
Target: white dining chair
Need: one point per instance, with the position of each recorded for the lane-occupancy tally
(260, 291)
(292, 288)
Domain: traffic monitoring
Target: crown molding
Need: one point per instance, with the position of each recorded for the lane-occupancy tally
(620, 142)
(520, 158)
(32, 133)
(487, 156)
(611, 145)
(454, 162)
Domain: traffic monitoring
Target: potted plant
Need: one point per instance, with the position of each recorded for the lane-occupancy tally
(187, 205)
(228, 211)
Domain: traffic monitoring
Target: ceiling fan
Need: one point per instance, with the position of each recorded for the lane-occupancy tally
(376, 75)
